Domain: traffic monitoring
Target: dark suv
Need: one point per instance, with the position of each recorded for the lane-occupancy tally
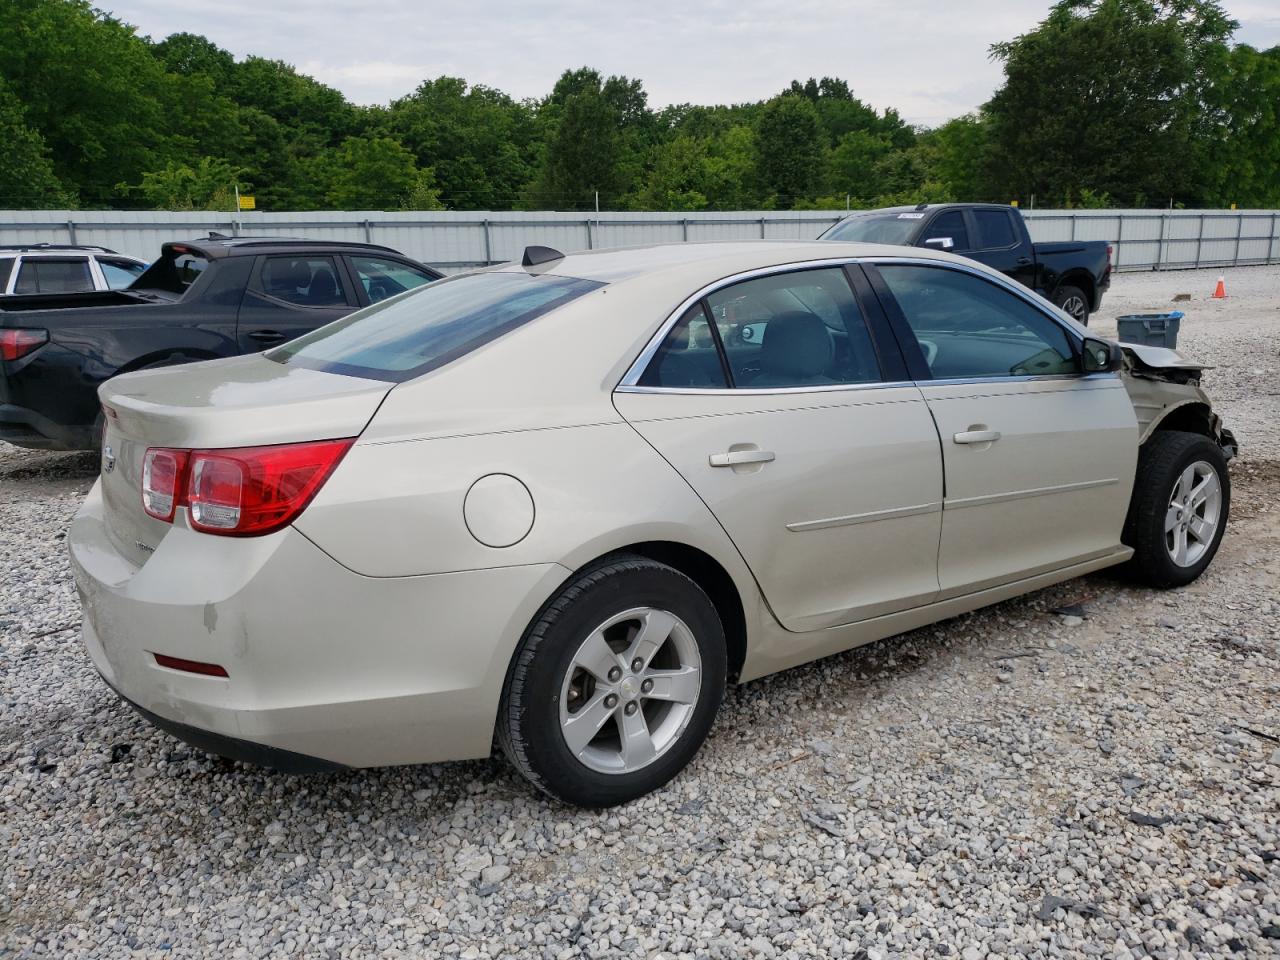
(202, 299)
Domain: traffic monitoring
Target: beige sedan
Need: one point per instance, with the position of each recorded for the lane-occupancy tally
(566, 501)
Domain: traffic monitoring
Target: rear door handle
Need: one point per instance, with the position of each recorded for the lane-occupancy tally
(736, 457)
(265, 336)
(977, 436)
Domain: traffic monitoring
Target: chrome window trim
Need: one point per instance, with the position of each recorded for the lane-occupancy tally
(634, 372)
(769, 391)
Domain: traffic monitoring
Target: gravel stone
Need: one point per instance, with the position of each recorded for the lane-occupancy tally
(910, 799)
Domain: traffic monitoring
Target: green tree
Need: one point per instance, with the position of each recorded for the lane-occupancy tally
(691, 173)
(1105, 95)
(371, 173)
(91, 89)
(789, 150)
(27, 179)
(1242, 155)
(480, 143)
(206, 184)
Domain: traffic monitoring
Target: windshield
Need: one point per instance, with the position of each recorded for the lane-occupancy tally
(895, 228)
(426, 328)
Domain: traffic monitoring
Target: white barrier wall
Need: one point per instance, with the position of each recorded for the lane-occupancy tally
(1143, 239)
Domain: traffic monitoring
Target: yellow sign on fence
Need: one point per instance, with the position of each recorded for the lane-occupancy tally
(247, 203)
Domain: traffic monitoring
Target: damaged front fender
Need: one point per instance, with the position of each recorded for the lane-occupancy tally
(1164, 387)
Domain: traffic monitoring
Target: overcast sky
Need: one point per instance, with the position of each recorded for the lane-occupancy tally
(927, 58)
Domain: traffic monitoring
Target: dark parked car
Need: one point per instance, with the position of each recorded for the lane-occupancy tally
(201, 300)
(1072, 274)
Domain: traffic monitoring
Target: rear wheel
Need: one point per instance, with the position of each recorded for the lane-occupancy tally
(1074, 301)
(615, 685)
(1178, 514)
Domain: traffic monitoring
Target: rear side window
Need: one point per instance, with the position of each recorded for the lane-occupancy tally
(6, 268)
(48, 275)
(383, 279)
(995, 229)
(688, 357)
(120, 273)
(949, 225)
(440, 322)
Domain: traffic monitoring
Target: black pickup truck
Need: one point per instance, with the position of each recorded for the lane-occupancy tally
(201, 299)
(1073, 275)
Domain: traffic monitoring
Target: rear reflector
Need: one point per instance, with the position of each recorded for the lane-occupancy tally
(190, 666)
(241, 492)
(18, 343)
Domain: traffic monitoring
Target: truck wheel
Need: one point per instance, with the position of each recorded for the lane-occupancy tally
(1178, 512)
(1073, 301)
(615, 685)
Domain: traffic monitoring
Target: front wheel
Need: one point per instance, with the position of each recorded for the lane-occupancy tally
(615, 685)
(1074, 301)
(1178, 513)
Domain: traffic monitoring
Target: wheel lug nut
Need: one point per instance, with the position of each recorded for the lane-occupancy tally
(637, 665)
(615, 674)
(611, 701)
(646, 686)
(630, 708)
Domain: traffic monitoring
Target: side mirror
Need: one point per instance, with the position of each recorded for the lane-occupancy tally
(1101, 356)
(940, 243)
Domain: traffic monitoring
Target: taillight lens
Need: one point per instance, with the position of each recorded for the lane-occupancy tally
(18, 343)
(163, 473)
(246, 491)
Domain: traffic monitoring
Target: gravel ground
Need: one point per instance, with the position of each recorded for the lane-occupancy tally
(1091, 770)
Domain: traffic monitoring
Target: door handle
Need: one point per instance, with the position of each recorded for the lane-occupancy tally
(265, 336)
(1023, 261)
(737, 457)
(977, 436)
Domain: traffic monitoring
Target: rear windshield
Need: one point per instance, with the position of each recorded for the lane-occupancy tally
(418, 331)
(173, 272)
(893, 228)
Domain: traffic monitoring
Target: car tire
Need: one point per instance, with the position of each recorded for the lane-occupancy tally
(607, 617)
(1179, 508)
(1073, 301)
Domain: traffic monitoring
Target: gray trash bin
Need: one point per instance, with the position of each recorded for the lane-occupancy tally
(1150, 329)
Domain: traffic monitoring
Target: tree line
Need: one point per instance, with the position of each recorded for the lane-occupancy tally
(1105, 103)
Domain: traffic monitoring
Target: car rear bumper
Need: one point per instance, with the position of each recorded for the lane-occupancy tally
(325, 667)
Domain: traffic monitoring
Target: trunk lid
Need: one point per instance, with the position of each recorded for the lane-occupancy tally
(238, 402)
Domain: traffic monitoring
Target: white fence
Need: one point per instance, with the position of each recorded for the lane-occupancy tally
(1143, 239)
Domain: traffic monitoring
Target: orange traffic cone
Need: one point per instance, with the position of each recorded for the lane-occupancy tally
(1220, 292)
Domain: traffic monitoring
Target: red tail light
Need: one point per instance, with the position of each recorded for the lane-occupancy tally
(163, 471)
(242, 492)
(18, 343)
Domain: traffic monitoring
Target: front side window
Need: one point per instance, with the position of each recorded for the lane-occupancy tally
(401, 339)
(949, 225)
(47, 275)
(120, 273)
(306, 281)
(796, 329)
(995, 229)
(383, 279)
(971, 327)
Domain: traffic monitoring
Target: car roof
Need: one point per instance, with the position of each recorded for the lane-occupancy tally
(56, 248)
(217, 246)
(928, 208)
(710, 259)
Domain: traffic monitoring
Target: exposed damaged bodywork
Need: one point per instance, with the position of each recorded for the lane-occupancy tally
(1165, 389)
